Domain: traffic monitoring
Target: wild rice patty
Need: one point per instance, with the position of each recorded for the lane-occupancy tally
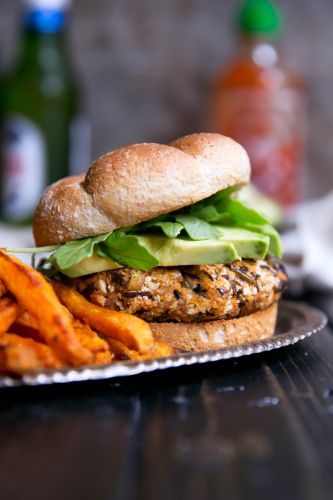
(188, 293)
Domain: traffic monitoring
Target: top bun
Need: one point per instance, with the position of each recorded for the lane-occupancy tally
(137, 183)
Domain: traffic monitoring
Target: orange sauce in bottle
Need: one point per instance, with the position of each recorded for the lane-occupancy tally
(259, 102)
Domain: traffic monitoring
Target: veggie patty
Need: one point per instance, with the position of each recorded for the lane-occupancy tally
(188, 293)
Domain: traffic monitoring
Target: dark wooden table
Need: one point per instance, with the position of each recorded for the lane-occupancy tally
(257, 428)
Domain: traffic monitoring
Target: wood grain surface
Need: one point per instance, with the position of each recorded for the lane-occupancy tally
(260, 427)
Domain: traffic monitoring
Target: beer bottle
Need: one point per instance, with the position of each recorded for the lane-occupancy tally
(39, 108)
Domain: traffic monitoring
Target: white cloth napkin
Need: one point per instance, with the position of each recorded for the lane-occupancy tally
(16, 237)
(308, 246)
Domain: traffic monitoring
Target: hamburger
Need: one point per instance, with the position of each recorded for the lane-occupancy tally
(158, 231)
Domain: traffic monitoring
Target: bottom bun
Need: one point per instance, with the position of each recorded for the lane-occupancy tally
(206, 335)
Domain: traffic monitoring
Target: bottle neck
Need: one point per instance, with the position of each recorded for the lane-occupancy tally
(43, 50)
(261, 49)
(45, 21)
(250, 40)
(43, 44)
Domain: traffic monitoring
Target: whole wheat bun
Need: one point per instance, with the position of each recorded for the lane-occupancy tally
(137, 183)
(216, 334)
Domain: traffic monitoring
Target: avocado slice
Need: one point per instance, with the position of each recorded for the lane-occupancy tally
(186, 252)
(275, 246)
(233, 244)
(90, 265)
(248, 244)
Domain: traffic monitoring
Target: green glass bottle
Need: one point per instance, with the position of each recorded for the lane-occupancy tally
(39, 110)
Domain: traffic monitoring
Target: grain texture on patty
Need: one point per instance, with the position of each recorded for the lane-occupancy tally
(188, 293)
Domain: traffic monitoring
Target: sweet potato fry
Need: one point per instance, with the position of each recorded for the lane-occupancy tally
(3, 289)
(88, 338)
(130, 330)
(35, 295)
(26, 332)
(9, 311)
(25, 319)
(18, 360)
(26, 326)
(92, 341)
(103, 358)
(121, 352)
(161, 350)
(20, 355)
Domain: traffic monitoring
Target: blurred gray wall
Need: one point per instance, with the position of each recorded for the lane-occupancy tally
(145, 66)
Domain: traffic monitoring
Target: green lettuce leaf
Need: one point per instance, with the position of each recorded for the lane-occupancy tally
(101, 251)
(126, 250)
(240, 212)
(198, 229)
(208, 213)
(170, 229)
(75, 251)
(214, 198)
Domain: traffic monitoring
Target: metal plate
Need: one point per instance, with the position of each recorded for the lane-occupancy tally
(296, 321)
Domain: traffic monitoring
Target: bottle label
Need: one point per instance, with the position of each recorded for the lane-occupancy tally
(270, 126)
(24, 176)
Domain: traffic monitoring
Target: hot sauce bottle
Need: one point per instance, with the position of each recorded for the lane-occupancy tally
(259, 102)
